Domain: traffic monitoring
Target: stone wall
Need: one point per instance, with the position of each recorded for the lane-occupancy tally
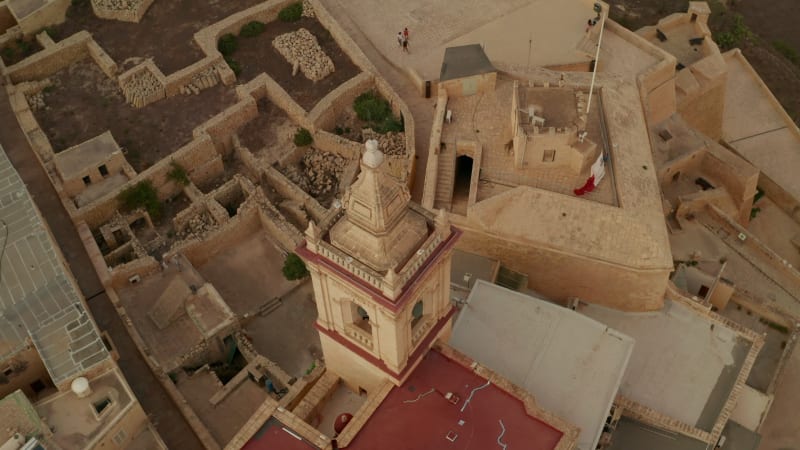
(291, 191)
(558, 275)
(224, 125)
(200, 75)
(330, 108)
(50, 13)
(196, 154)
(50, 60)
(432, 169)
(122, 10)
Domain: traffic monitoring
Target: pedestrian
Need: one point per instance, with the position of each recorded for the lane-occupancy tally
(400, 39)
(405, 45)
(405, 33)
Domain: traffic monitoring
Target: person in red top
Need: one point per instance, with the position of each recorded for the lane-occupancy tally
(405, 33)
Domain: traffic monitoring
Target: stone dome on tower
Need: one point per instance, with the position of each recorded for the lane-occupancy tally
(379, 229)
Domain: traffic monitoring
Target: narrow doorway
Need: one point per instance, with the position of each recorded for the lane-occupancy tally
(462, 183)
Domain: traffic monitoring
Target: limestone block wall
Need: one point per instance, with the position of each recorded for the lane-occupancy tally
(455, 88)
(560, 275)
(224, 125)
(143, 84)
(277, 226)
(264, 12)
(657, 83)
(198, 252)
(703, 110)
(125, 11)
(201, 75)
(50, 13)
(324, 114)
(49, 61)
(434, 146)
(339, 145)
(291, 191)
(142, 266)
(7, 19)
(197, 156)
(697, 202)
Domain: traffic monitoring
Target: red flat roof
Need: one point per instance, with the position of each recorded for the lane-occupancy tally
(417, 416)
(276, 436)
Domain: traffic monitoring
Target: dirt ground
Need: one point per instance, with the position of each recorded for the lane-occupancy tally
(776, 21)
(84, 103)
(248, 274)
(16, 51)
(165, 33)
(270, 134)
(256, 55)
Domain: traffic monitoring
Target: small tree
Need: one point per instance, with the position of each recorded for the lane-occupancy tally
(142, 195)
(303, 137)
(294, 268)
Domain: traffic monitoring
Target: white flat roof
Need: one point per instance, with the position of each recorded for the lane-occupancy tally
(684, 365)
(571, 364)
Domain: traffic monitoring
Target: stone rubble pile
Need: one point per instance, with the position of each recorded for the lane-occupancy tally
(197, 227)
(201, 80)
(308, 9)
(318, 172)
(302, 51)
(142, 89)
(36, 101)
(392, 143)
(118, 5)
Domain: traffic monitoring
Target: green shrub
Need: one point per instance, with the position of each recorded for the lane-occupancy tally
(303, 137)
(759, 194)
(294, 268)
(52, 32)
(754, 212)
(373, 109)
(227, 44)
(178, 174)
(252, 29)
(787, 51)
(737, 33)
(338, 130)
(291, 13)
(235, 66)
(142, 195)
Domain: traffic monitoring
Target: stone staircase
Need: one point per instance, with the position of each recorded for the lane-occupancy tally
(445, 178)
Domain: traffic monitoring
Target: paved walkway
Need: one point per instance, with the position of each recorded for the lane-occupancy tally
(166, 417)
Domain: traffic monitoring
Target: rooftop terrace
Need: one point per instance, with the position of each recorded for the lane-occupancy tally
(571, 364)
(418, 415)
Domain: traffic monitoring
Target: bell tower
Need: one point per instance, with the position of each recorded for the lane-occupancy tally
(381, 274)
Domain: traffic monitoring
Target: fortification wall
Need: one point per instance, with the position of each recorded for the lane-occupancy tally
(559, 275)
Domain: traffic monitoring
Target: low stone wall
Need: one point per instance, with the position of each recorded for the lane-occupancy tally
(120, 275)
(287, 236)
(291, 191)
(198, 252)
(339, 145)
(143, 84)
(194, 156)
(50, 13)
(51, 60)
(327, 110)
(347, 44)
(432, 169)
(264, 12)
(192, 79)
(224, 125)
(122, 10)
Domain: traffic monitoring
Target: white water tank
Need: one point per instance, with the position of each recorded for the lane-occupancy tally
(80, 386)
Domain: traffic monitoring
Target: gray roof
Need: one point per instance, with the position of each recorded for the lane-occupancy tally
(464, 61)
(38, 297)
(571, 364)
